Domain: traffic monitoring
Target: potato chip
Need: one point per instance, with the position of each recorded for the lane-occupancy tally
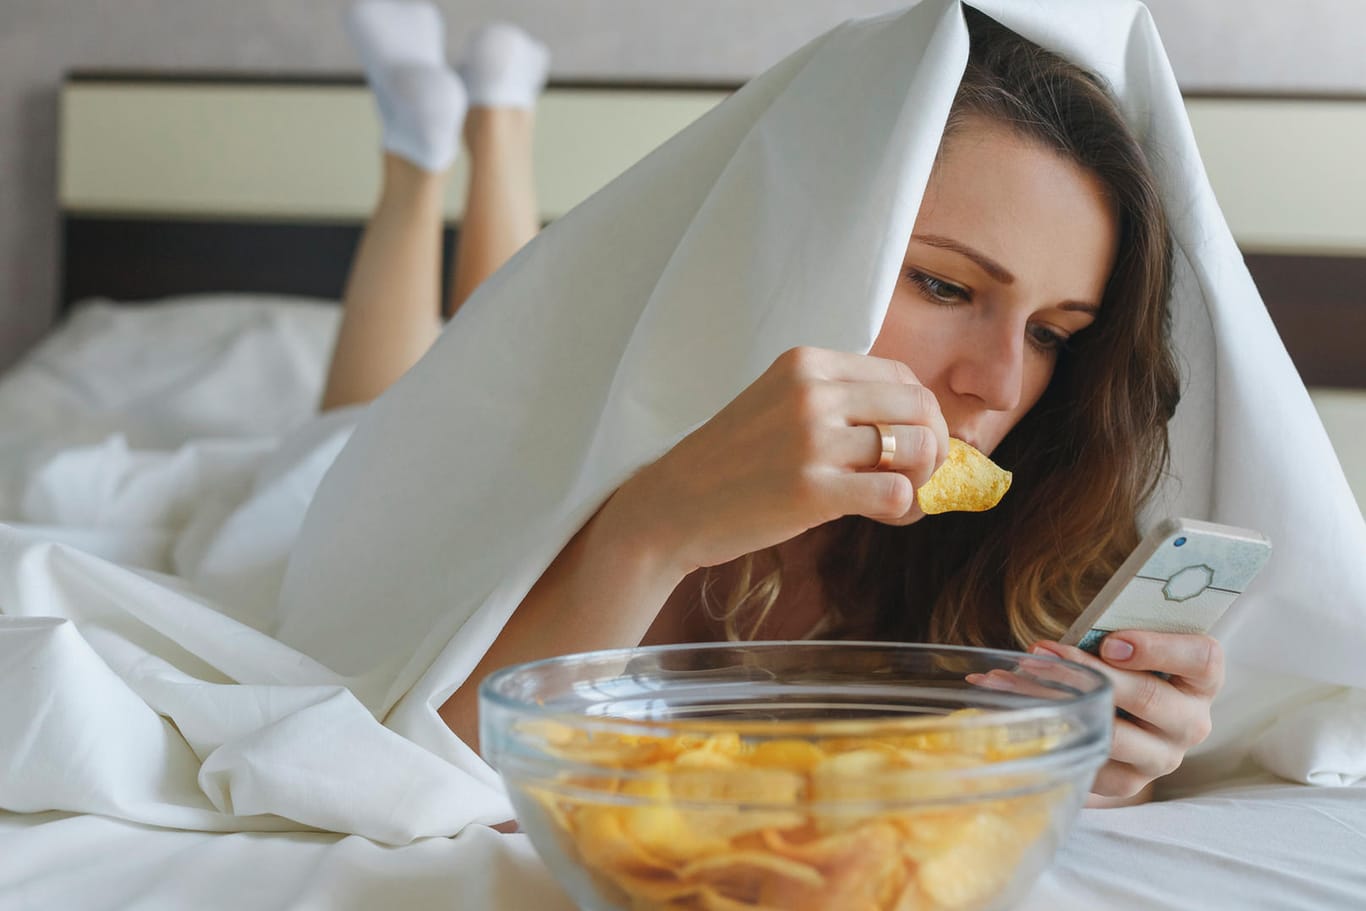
(670, 833)
(715, 901)
(967, 482)
(727, 744)
(976, 864)
(719, 866)
(912, 898)
(855, 778)
(605, 844)
(729, 791)
(826, 850)
(797, 755)
(624, 752)
(737, 785)
(661, 828)
(862, 869)
(651, 891)
(926, 833)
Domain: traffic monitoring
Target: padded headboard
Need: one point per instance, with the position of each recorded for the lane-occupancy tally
(199, 183)
(193, 183)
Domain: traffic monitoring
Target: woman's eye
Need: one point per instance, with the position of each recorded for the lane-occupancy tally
(1046, 339)
(938, 290)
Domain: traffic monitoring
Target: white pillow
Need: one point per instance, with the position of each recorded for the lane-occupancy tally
(169, 371)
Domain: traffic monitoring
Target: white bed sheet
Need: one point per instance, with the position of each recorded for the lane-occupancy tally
(167, 403)
(114, 427)
(1256, 846)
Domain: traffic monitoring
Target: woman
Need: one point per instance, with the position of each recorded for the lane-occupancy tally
(1030, 319)
(618, 414)
(1068, 326)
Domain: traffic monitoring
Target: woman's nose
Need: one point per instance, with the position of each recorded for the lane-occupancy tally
(990, 368)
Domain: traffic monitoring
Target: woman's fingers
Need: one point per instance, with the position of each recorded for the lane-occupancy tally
(1139, 753)
(915, 451)
(910, 409)
(876, 494)
(795, 449)
(859, 389)
(1165, 709)
(1008, 681)
(1194, 664)
(890, 403)
(843, 418)
(1144, 749)
(825, 364)
(1119, 780)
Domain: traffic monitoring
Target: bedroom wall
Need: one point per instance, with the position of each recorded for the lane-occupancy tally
(1253, 45)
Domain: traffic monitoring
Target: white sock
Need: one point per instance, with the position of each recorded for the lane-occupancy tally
(421, 102)
(504, 67)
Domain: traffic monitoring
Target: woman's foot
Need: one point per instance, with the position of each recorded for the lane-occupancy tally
(422, 102)
(504, 67)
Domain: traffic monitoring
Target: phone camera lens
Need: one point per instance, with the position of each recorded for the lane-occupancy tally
(1178, 542)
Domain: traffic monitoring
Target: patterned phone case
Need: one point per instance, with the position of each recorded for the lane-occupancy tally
(1180, 579)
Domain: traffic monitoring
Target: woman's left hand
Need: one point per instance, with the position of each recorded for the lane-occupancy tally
(1165, 717)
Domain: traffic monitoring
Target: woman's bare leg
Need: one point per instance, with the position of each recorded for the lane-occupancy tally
(390, 314)
(501, 214)
(504, 70)
(391, 303)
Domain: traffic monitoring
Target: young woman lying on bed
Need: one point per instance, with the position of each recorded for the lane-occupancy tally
(1031, 320)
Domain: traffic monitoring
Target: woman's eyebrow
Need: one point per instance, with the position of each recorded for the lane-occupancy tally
(992, 267)
(989, 265)
(1079, 306)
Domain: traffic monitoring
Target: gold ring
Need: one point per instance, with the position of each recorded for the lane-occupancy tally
(884, 461)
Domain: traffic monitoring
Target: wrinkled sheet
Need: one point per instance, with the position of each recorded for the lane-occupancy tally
(157, 464)
(1261, 845)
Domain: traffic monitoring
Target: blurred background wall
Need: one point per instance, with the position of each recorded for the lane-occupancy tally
(1313, 46)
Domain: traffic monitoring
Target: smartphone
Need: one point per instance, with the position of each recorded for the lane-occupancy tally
(1180, 579)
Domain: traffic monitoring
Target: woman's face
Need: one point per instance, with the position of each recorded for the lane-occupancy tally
(1008, 259)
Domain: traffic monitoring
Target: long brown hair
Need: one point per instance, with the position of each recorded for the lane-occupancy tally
(1085, 457)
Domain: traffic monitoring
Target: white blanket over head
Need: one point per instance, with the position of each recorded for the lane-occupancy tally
(778, 219)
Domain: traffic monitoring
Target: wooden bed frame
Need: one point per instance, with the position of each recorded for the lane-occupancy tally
(205, 183)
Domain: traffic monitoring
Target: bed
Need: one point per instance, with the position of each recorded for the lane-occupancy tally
(203, 254)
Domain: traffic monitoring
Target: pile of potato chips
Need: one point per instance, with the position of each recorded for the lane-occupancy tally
(723, 822)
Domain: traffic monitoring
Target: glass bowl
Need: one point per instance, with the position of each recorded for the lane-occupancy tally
(796, 776)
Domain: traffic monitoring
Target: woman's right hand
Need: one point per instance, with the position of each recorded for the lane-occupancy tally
(791, 452)
(794, 450)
